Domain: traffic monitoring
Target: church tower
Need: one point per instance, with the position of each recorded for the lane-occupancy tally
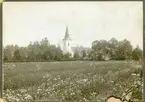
(67, 42)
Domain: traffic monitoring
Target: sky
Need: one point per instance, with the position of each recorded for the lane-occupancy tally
(87, 21)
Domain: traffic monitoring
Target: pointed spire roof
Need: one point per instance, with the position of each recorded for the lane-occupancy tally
(66, 33)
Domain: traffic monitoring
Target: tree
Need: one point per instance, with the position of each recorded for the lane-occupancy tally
(113, 46)
(99, 50)
(84, 53)
(16, 56)
(8, 52)
(58, 54)
(23, 53)
(124, 50)
(67, 56)
(44, 49)
(137, 53)
(44, 42)
(76, 54)
(32, 49)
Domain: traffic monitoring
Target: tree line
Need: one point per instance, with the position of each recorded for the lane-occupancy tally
(100, 50)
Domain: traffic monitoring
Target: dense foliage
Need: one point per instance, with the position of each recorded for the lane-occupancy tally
(44, 51)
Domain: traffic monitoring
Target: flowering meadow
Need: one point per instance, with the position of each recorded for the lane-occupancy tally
(72, 80)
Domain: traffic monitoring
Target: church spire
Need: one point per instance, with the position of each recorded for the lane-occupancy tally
(66, 33)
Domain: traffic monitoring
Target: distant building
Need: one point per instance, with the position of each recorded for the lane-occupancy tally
(66, 45)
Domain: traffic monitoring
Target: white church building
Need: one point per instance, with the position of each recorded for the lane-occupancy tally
(66, 43)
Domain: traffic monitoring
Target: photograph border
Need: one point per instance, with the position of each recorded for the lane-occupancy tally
(1, 45)
(1, 39)
(143, 67)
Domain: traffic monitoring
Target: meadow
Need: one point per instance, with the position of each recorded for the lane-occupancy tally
(72, 80)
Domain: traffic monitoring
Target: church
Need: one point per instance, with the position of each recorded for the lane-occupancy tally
(66, 44)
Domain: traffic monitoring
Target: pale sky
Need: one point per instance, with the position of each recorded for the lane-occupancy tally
(87, 21)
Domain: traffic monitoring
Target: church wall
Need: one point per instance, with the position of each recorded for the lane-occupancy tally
(67, 47)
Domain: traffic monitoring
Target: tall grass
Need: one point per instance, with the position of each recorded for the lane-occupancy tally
(76, 80)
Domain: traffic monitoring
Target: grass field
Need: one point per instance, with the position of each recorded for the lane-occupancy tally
(76, 80)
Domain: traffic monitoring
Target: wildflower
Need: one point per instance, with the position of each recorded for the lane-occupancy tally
(138, 82)
(133, 74)
(17, 99)
(23, 90)
(55, 79)
(111, 81)
(123, 94)
(72, 93)
(19, 95)
(13, 65)
(138, 75)
(128, 96)
(85, 80)
(27, 96)
(85, 99)
(39, 90)
(94, 93)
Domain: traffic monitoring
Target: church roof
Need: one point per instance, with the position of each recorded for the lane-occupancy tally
(66, 34)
